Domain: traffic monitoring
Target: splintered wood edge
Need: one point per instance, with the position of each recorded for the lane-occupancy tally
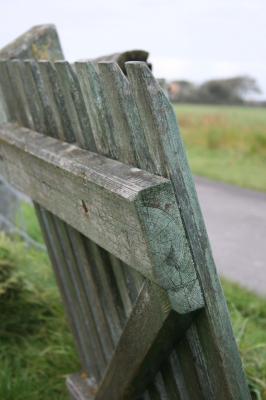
(127, 211)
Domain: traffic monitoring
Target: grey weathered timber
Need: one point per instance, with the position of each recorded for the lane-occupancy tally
(99, 114)
(39, 43)
(101, 192)
(123, 228)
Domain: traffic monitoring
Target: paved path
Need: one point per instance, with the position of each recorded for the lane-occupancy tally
(236, 224)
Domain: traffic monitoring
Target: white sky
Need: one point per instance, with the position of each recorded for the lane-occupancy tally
(190, 39)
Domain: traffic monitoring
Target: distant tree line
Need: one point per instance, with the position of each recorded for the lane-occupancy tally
(217, 91)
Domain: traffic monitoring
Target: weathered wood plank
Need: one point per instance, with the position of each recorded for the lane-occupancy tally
(56, 262)
(169, 381)
(38, 93)
(54, 93)
(8, 92)
(162, 133)
(31, 93)
(177, 376)
(75, 105)
(98, 111)
(39, 43)
(136, 362)
(21, 102)
(17, 78)
(118, 271)
(125, 116)
(160, 386)
(140, 208)
(71, 273)
(59, 263)
(106, 288)
(86, 267)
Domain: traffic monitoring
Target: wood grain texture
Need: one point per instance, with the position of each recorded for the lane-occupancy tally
(63, 129)
(86, 267)
(8, 92)
(125, 116)
(75, 105)
(112, 192)
(165, 143)
(98, 111)
(17, 78)
(56, 262)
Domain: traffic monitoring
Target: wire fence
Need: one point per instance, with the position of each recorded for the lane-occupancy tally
(11, 215)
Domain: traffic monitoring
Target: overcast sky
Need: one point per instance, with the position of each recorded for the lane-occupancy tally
(192, 39)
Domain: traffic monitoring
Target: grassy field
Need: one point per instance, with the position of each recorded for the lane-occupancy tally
(225, 143)
(36, 347)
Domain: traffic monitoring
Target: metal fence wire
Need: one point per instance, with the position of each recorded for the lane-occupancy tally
(11, 216)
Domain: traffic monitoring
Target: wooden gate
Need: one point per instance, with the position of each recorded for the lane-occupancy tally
(101, 156)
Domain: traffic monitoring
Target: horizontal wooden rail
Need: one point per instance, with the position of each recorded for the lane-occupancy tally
(129, 212)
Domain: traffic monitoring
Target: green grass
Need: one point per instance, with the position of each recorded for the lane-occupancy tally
(30, 221)
(248, 315)
(225, 143)
(36, 347)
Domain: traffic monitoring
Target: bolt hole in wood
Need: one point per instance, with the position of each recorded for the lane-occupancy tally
(85, 207)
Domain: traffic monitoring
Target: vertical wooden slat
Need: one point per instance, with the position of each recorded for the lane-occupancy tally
(160, 386)
(75, 105)
(169, 382)
(98, 111)
(106, 291)
(77, 294)
(125, 116)
(33, 98)
(8, 92)
(200, 363)
(188, 372)
(17, 103)
(85, 268)
(15, 75)
(54, 242)
(54, 93)
(165, 143)
(118, 271)
(55, 259)
(177, 375)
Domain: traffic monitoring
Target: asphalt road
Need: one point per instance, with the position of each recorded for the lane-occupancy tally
(236, 224)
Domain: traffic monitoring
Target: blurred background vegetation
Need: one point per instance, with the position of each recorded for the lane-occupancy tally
(226, 143)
